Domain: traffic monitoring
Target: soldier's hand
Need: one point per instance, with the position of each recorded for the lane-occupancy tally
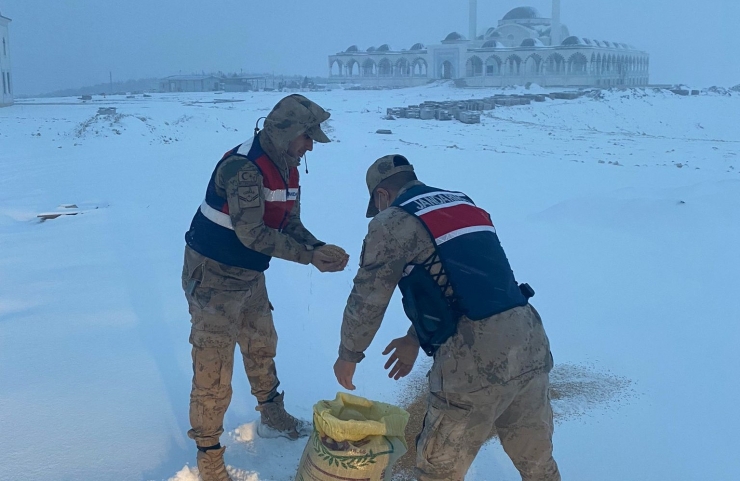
(330, 258)
(405, 351)
(345, 371)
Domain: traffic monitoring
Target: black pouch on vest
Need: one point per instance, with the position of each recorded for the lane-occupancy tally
(428, 309)
(526, 290)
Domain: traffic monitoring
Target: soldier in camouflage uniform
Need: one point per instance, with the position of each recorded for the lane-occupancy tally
(251, 213)
(492, 372)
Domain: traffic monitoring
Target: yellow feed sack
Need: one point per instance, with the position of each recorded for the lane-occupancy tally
(353, 438)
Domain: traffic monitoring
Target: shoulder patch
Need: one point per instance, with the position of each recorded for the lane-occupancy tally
(248, 177)
(249, 196)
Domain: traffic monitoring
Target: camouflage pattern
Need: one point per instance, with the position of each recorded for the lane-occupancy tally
(230, 306)
(292, 116)
(474, 368)
(458, 424)
(381, 169)
(293, 243)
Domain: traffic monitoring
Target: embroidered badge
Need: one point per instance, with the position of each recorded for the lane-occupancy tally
(249, 196)
(247, 177)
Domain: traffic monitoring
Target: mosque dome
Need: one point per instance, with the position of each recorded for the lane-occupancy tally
(491, 44)
(532, 42)
(384, 48)
(418, 46)
(352, 48)
(453, 37)
(370, 49)
(573, 40)
(522, 13)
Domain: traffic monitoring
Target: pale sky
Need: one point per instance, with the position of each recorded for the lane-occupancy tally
(72, 43)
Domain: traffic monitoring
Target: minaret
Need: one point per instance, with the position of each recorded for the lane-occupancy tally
(555, 28)
(472, 32)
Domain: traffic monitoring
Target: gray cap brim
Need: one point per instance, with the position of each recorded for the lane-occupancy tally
(318, 135)
(372, 211)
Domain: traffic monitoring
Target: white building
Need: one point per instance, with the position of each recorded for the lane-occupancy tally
(6, 93)
(524, 47)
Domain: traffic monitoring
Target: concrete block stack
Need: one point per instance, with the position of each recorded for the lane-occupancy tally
(469, 117)
(469, 111)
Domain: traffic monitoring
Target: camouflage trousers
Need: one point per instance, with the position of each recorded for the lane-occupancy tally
(229, 306)
(458, 424)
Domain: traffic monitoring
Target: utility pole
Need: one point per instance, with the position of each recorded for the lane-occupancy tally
(110, 76)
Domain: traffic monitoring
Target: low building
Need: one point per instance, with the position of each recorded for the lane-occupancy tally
(6, 93)
(524, 47)
(242, 84)
(191, 83)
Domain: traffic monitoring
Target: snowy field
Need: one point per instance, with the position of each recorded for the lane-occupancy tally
(622, 212)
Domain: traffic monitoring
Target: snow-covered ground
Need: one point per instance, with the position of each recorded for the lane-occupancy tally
(621, 211)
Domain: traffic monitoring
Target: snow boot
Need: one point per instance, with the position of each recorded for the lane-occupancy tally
(276, 422)
(211, 465)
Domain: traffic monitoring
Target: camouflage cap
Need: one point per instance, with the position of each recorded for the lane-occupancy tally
(382, 169)
(295, 115)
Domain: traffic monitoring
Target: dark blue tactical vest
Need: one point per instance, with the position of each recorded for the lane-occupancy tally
(471, 259)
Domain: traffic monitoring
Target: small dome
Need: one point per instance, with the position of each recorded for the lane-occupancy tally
(597, 43)
(352, 48)
(490, 44)
(587, 41)
(453, 37)
(418, 46)
(532, 42)
(572, 41)
(370, 49)
(384, 48)
(606, 44)
(522, 13)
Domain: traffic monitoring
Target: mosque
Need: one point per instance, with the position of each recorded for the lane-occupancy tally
(524, 47)
(6, 93)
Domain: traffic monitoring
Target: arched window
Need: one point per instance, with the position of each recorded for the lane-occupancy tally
(577, 64)
(353, 68)
(384, 68)
(402, 68)
(555, 64)
(337, 68)
(446, 70)
(369, 69)
(419, 67)
(513, 65)
(474, 67)
(532, 64)
(493, 65)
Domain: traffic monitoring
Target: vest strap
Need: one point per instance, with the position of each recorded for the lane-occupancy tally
(217, 217)
(280, 195)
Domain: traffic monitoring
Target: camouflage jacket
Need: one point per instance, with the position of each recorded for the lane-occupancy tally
(396, 239)
(294, 242)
